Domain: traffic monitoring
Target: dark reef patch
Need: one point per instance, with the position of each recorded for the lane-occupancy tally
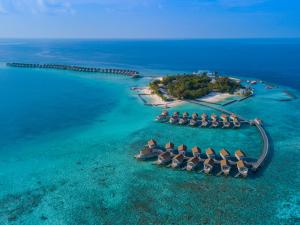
(14, 206)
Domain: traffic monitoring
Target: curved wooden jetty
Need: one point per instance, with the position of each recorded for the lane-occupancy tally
(255, 122)
(125, 72)
(265, 149)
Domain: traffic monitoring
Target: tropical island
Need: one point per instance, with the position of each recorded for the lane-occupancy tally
(196, 86)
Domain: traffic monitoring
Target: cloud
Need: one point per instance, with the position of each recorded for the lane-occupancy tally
(36, 6)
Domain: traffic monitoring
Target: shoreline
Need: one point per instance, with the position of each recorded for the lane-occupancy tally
(215, 97)
(153, 99)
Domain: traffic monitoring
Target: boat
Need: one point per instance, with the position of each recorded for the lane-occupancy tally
(185, 119)
(177, 161)
(195, 160)
(150, 151)
(239, 154)
(243, 170)
(208, 165)
(163, 117)
(210, 153)
(194, 120)
(224, 154)
(225, 167)
(174, 119)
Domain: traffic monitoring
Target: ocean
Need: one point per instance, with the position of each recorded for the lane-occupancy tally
(67, 139)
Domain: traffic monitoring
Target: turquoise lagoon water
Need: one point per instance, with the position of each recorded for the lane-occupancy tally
(67, 140)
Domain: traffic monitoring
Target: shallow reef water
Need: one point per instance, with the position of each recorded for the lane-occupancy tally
(67, 144)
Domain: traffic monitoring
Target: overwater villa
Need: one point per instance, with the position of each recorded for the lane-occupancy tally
(235, 121)
(225, 167)
(210, 153)
(225, 121)
(150, 151)
(163, 117)
(178, 160)
(208, 165)
(239, 154)
(224, 154)
(195, 160)
(204, 121)
(174, 119)
(243, 170)
(185, 118)
(166, 156)
(169, 147)
(194, 120)
(214, 121)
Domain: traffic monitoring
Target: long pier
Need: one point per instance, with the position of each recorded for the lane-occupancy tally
(255, 122)
(125, 72)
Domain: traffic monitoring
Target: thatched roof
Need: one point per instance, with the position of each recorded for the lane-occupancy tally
(181, 148)
(240, 164)
(179, 157)
(194, 160)
(209, 162)
(224, 162)
(210, 151)
(239, 153)
(185, 114)
(224, 152)
(196, 149)
(151, 142)
(169, 145)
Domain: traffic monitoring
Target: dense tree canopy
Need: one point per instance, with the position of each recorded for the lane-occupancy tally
(193, 86)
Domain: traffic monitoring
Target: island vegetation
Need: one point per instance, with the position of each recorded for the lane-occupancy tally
(193, 86)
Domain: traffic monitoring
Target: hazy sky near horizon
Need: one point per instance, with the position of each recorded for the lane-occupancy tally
(149, 18)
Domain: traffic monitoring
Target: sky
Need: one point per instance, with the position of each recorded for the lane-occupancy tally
(170, 19)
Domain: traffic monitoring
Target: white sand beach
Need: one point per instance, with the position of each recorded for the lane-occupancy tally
(215, 97)
(154, 99)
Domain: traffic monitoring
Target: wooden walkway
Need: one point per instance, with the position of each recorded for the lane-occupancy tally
(266, 145)
(125, 72)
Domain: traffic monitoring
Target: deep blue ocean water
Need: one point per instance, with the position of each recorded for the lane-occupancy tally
(67, 139)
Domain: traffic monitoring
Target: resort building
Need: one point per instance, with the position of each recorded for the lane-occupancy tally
(210, 153)
(239, 154)
(208, 165)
